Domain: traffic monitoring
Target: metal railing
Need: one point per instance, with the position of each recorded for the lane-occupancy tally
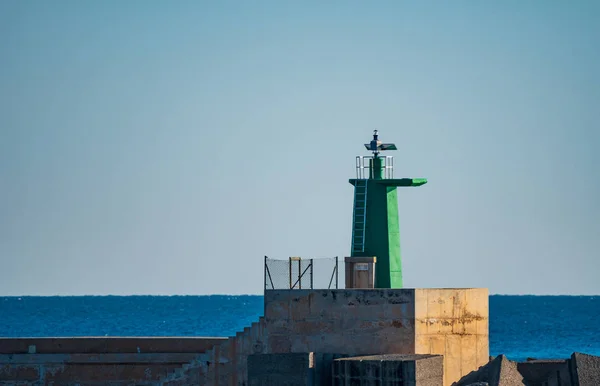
(363, 166)
(299, 273)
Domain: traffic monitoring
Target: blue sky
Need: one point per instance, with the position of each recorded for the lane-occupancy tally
(154, 147)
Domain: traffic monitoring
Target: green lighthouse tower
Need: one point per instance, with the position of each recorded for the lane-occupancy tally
(375, 225)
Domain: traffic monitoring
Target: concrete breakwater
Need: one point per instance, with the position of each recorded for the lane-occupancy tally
(96, 360)
(404, 337)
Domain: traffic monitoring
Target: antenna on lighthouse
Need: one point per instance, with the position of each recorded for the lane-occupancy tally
(376, 146)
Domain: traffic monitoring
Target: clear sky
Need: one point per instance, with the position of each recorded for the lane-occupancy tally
(165, 147)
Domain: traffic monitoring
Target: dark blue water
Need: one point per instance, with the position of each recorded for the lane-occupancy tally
(520, 326)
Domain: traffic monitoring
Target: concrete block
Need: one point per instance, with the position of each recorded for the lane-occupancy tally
(541, 371)
(452, 358)
(400, 311)
(279, 344)
(389, 369)
(278, 308)
(300, 307)
(429, 371)
(106, 345)
(299, 343)
(437, 345)
(280, 369)
(503, 372)
(444, 318)
(483, 349)
(19, 372)
(587, 369)
(451, 302)
(328, 343)
(468, 353)
(311, 327)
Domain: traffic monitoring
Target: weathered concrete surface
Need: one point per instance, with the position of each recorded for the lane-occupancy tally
(579, 370)
(449, 322)
(95, 361)
(281, 369)
(453, 323)
(545, 372)
(323, 365)
(586, 369)
(505, 373)
(104, 345)
(224, 364)
(94, 372)
(347, 322)
(393, 369)
(498, 372)
(354, 322)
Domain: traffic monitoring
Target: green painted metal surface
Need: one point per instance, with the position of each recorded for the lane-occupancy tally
(393, 234)
(381, 235)
(376, 168)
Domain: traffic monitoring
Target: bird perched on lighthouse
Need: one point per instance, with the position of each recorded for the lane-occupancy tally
(376, 146)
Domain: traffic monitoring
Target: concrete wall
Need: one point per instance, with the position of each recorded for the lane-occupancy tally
(105, 345)
(450, 322)
(453, 323)
(95, 361)
(392, 369)
(353, 322)
(281, 369)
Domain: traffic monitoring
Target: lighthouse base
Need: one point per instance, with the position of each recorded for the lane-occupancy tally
(449, 322)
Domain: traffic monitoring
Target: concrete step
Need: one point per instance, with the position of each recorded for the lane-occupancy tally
(223, 364)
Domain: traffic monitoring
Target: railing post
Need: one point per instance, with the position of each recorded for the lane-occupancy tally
(311, 274)
(300, 273)
(265, 275)
(290, 269)
(337, 273)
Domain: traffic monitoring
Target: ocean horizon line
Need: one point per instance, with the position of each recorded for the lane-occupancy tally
(240, 295)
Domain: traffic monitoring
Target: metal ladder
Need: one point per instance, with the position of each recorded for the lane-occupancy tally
(359, 220)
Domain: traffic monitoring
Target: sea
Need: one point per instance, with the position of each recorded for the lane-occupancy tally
(543, 327)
